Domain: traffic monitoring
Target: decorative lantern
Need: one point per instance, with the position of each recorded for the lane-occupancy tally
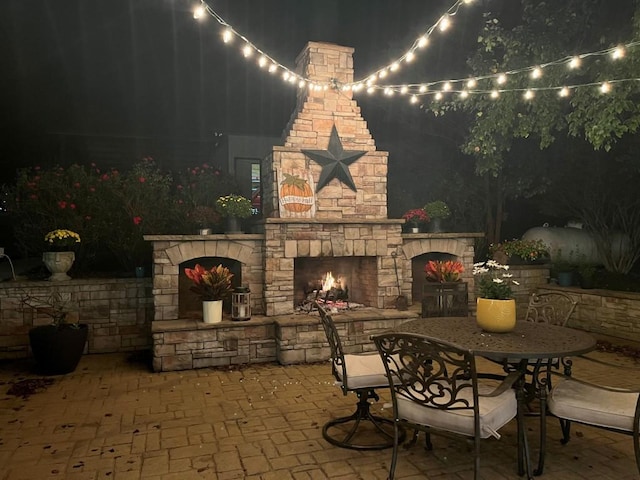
(241, 303)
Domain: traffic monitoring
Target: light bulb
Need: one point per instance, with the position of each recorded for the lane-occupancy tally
(262, 61)
(528, 95)
(285, 75)
(495, 94)
(227, 36)
(409, 57)
(388, 91)
(471, 83)
(371, 90)
(404, 89)
(617, 53)
(564, 92)
(464, 94)
(292, 79)
(575, 62)
(371, 79)
(605, 87)
(382, 74)
(394, 66)
(446, 86)
(272, 68)
(502, 79)
(536, 72)
(423, 41)
(199, 12)
(444, 23)
(414, 99)
(247, 51)
(438, 96)
(423, 88)
(301, 83)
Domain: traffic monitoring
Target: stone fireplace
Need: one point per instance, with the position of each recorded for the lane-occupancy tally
(324, 195)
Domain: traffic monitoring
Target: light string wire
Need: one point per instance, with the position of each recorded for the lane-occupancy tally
(422, 41)
(416, 90)
(501, 77)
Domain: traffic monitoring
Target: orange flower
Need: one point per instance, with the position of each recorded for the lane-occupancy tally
(443, 270)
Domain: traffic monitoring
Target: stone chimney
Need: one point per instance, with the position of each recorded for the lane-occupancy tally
(317, 111)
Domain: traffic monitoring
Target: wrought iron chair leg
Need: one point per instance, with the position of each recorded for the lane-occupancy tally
(565, 426)
(362, 414)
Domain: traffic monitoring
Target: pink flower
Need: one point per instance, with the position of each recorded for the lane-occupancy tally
(62, 204)
(105, 177)
(137, 220)
(92, 189)
(72, 206)
(142, 179)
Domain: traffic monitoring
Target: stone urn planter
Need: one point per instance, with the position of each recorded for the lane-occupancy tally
(58, 263)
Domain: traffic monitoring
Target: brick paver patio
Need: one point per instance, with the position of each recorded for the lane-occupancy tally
(114, 419)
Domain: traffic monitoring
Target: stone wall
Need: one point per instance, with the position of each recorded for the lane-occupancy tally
(615, 314)
(119, 313)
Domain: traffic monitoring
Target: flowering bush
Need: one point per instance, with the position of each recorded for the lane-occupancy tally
(528, 250)
(234, 206)
(61, 240)
(416, 215)
(443, 271)
(213, 284)
(495, 280)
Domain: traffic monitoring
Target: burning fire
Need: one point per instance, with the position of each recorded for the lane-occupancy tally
(328, 282)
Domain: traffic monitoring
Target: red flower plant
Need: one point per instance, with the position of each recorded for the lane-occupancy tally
(443, 271)
(416, 215)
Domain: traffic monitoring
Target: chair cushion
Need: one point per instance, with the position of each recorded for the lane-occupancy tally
(494, 413)
(364, 371)
(596, 406)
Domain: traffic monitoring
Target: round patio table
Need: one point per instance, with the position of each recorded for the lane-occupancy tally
(528, 342)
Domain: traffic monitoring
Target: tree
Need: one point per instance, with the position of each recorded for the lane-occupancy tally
(539, 33)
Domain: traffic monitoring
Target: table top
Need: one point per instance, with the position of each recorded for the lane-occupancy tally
(528, 339)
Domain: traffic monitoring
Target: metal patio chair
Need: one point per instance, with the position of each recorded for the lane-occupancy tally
(362, 374)
(435, 388)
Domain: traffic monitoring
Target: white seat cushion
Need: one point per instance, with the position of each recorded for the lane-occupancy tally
(364, 371)
(494, 413)
(596, 406)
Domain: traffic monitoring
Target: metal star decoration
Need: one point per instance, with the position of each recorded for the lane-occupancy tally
(335, 162)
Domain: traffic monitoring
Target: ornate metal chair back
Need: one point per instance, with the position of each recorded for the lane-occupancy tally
(554, 308)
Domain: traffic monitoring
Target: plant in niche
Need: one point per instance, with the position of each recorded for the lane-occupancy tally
(61, 240)
(212, 284)
(234, 206)
(416, 216)
(494, 280)
(443, 270)
(205, 216)
(437, 209)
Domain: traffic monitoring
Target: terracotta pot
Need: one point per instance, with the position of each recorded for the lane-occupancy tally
(496, 316)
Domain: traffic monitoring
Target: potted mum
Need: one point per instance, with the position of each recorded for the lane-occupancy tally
(57, 346)
(496, 307)
(59, 255)
(213, 286)
(414, 218)
(437, 211)
(234, 207)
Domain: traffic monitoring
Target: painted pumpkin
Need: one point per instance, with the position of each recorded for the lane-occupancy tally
(295, 194)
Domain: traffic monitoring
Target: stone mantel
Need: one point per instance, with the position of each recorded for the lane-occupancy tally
(203, 238)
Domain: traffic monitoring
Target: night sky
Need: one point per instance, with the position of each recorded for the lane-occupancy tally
(147, 68)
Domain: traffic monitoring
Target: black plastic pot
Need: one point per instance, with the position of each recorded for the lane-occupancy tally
(57, 349)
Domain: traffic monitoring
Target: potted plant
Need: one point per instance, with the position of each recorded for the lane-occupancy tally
(496, 308)
(205, 217)
(59, 256)
(213, 286)
(586, 272)
(234, 207)
(563, 268)
(414, 218)
(437, 211)
(57, 346)
(520, 251)
(443, 270)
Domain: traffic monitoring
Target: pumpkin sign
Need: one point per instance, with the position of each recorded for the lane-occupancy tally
(296, 194)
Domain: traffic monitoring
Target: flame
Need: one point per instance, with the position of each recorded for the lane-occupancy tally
(328, 283)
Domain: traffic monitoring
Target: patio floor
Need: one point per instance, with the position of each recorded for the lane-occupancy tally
(114, 419)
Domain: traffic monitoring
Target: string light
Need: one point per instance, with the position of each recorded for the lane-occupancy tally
(528, 95)
(422, 41)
